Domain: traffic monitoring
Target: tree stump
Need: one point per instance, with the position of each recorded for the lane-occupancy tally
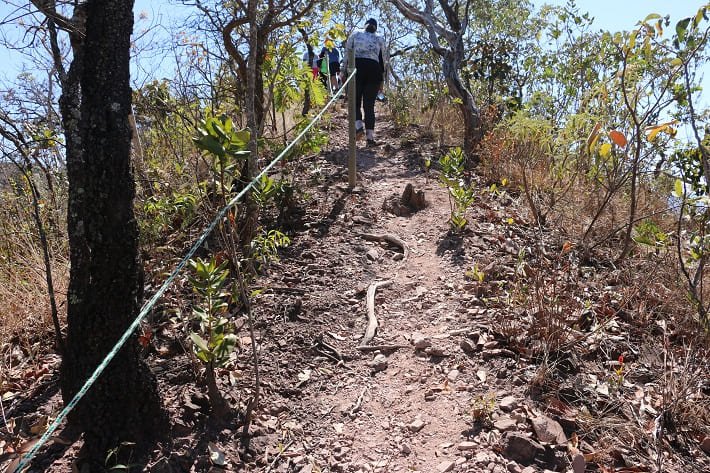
(415, 200)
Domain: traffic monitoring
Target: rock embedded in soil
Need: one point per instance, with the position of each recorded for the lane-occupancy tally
(445, 466)
(416, 425)
(379, 363)
(465, 446)
(508, 404)
(521, 448)
(504, 424)
(705, 445)
(421, 342)
(468, 347)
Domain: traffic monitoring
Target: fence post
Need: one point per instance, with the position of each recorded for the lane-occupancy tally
(352, 150)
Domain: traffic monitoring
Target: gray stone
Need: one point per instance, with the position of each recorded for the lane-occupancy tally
(467, 347)
(465, 446)
(446, 465)
(421, 342)
(549, 431)
(435, 351)
(416, 425)
(379, 363)
(508, 404)
(521, 448)
(504, 424)
(452, 375)
(373, 255)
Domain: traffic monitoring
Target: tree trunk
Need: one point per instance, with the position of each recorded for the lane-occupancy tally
(106, 278)
(473, 129)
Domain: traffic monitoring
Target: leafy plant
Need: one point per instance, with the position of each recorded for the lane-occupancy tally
(475, 274)
(215, 341)
(266, 245)
(648, 233)
(176, 211)
(228, 148)
(461, 196)
(483, 407)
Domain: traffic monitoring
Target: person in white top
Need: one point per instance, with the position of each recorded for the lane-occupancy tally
(371, 58)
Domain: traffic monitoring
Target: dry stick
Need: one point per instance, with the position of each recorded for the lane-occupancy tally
(369, 348)
(278, 455)
(388, 237)
(358, 403)
(371, 319)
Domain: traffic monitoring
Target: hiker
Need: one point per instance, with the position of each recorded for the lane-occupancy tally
(371, 58)
(333, 62)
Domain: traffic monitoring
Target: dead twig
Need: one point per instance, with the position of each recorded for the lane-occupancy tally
(371, 348)
(358, 404)
(278, 455)
(371, 319)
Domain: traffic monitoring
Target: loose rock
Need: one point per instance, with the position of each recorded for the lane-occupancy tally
(508, 404)
(416, 425)
(521, 448)
(549, 431)
(464, 446)
(379, 363)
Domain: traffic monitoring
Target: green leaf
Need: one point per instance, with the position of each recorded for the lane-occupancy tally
(211, 144)
(698, 17)
(652, 16)
(676, 62)
(681, 28)
(199, 342)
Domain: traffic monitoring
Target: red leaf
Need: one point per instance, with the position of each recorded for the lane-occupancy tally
(618, 138)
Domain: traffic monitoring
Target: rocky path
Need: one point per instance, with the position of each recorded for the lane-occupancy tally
(442, 398)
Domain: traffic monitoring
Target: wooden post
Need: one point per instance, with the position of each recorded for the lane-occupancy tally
(352, 151)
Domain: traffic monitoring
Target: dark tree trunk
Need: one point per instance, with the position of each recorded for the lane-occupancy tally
(473, 128)
(105, 287)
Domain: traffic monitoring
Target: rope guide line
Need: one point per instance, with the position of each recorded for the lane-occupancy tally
(24, 462)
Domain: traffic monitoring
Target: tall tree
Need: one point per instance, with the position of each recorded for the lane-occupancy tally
(446, 24)
(106, 279)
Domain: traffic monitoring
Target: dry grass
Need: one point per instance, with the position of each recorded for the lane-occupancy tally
(24, 301)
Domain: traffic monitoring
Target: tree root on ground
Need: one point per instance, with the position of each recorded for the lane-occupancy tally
(371, 319)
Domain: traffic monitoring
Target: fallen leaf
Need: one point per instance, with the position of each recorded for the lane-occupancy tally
(304, 375)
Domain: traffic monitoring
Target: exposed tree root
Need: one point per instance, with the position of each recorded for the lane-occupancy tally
(389, 238)
(371, 319)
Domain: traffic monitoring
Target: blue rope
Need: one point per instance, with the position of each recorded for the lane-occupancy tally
(149, 305)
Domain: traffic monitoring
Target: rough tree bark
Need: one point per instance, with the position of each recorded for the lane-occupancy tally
(446, 38)
(105, 287)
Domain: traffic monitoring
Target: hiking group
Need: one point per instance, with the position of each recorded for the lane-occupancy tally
(371, 61)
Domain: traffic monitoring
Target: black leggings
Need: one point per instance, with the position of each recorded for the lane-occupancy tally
(368, 81)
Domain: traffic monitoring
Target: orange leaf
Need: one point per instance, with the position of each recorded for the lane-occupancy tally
(618, 138)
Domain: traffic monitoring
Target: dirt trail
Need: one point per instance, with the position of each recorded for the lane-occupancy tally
(399, 410)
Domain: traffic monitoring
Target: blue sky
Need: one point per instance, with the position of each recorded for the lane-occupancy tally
(613, 15)
(617, 15)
